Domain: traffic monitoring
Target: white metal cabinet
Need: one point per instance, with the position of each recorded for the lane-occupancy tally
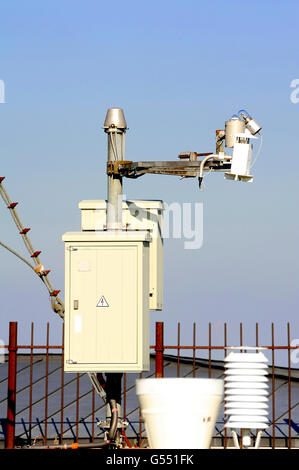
(107, 301)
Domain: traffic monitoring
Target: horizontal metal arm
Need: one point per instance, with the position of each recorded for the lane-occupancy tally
(183, 168)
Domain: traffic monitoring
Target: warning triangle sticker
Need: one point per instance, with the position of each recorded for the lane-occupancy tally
(102, 302)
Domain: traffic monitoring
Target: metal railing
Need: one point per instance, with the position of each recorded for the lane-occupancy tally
(68, 428)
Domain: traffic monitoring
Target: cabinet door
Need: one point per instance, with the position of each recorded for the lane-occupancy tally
(104, 305)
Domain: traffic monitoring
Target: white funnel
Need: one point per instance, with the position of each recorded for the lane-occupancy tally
(179, 413)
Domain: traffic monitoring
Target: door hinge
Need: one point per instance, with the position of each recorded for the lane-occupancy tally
(71, 361)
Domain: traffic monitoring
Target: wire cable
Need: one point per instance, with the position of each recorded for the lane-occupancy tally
(17, 254)
(56, 302)
(114, 148)
(259, 151)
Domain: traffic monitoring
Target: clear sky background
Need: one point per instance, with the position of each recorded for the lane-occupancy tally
(179, 70)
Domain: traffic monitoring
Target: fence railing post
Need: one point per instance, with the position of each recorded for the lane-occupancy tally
(159, 348)
(12, 384)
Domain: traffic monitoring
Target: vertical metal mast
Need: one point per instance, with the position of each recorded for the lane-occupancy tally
(115, 126)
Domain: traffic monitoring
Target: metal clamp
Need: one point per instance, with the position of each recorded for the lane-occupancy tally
(113, 167)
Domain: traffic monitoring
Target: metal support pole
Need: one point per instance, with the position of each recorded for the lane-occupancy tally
(113, 387)
(12, 383)
(115, 126)
(159, 348)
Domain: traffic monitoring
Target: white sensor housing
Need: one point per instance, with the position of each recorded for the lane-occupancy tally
(246, 391)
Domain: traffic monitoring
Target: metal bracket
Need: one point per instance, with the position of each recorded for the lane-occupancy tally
(113, 167)
(104, 425)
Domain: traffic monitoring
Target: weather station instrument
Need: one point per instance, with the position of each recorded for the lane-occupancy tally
(114, 266)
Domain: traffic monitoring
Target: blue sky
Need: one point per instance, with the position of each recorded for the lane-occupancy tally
(179, 70)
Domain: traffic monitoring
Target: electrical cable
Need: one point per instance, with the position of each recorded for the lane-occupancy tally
(74, 446)
(56, 303)
(259, 150)
(114, 420)
(114, 148)
(123, 146)
(243, 111)
(202, 186)
(201, 168)
(16, 254)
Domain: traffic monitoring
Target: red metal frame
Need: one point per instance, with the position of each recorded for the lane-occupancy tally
(159, 349)
(12, 385)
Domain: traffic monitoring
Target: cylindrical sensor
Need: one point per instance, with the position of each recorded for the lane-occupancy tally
(232, 127)
(253, 126)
